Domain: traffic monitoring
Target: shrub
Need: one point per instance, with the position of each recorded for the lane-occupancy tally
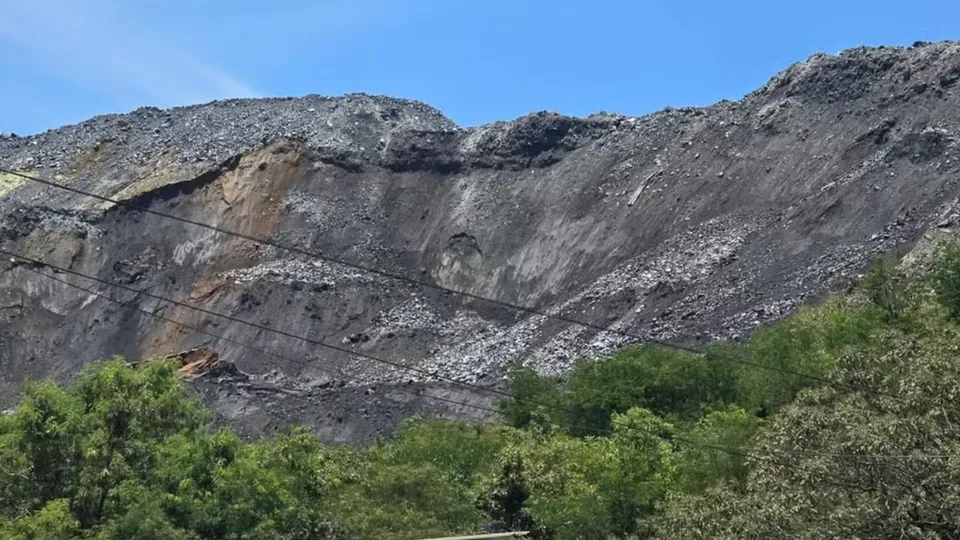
(665, 381)
(947, 280)
(535, 399)
(887, 288)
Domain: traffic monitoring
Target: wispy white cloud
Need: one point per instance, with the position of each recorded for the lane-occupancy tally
(96, 44)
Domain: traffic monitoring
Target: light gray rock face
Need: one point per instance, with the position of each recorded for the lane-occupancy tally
(688, 225)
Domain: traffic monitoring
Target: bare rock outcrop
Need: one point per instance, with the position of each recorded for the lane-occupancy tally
(689, 225)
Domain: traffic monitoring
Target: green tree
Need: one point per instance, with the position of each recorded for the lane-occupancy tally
(888, 289)
(702, 464)
(648, 442)
(591, 487)
(671, 383)
(665, 381)
(405, 501)
(460, 450)
(81, 443)
(507, 498)
(52, 522)
(139, 513)
(801, 353)
(535, 399)
(879, 463)
(947, 279)
(126, 453)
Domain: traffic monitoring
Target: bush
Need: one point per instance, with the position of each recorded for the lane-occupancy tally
(702, 465)
(572, 488)
(535, 399)
(839, 464)
(947, 280)
(887, 287)
(126, 453)
(801, 353)
(460, 451)
(665, 381)
(668, 382)
(506, 498)
(699, 445)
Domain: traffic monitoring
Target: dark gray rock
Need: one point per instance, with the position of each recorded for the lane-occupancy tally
(687, 225)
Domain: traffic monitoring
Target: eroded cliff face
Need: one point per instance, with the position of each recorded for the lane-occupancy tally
(688, 225)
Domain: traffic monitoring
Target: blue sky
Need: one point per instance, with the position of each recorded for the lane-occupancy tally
(63, 61)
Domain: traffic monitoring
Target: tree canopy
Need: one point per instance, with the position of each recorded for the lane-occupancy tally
(647, 443)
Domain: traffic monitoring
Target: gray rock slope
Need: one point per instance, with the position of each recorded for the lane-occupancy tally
(688, 225)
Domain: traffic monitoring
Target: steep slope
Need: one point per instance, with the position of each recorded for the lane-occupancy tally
(688, 225)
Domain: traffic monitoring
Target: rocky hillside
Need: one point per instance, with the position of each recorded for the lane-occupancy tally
(688, 225)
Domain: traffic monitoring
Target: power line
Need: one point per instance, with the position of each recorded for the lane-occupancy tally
(419, 282)
(311, 341)
(254, 348)
(391, 275)
(383, 273)
(732, 451)
(359, 354)
(729, 450)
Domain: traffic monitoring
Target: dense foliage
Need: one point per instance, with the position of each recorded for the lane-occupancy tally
(649, 443)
